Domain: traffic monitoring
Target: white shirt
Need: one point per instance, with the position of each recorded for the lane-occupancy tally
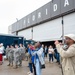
(1, 50)
(50, 50)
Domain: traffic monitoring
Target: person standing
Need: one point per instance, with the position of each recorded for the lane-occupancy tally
(17, 54)
(11, 55)
(67, 54)
(38, 58)
(22, 51)
(1, 56)
(57, 56)
(2, 49)
(46, 51)
(22, 56)
(43, 50)
(7, 51)
(51, 52)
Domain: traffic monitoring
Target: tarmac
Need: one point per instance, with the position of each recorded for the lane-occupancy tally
(51, 69)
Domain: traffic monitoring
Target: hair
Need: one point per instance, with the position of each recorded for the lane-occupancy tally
(12, 45)
(16, 44)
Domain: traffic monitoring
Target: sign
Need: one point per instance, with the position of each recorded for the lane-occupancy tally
(74, 4)
(55, 8)
(66, 5)
(24, 22)
(29, 20)
(34, 18)
(48, 11)
(39, 15)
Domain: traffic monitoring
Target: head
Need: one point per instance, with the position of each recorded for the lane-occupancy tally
(12, 46)
(37, 45)
(45, 46)
(21, 45)
(42, 45)
(70, 39)
(16, 46)
(50, 46)
(1, 44)
(29, 45)
(7, 46)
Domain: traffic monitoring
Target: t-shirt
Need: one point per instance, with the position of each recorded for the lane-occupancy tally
(50, 50)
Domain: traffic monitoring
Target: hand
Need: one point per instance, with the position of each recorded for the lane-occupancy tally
(56, 42)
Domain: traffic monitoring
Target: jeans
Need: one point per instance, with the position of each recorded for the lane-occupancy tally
(30, 67)
(34, 69)
(38, 67)
(58, 57)
(50, 57)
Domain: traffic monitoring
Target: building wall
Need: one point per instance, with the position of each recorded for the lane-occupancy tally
(45, 23)
(26, 33)
(51, 30)
(51, 10)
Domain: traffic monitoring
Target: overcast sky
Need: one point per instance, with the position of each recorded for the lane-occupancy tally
(12, 9)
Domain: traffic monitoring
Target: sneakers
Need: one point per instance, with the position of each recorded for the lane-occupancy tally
(29, 73)
(8, 65)
(15, 67)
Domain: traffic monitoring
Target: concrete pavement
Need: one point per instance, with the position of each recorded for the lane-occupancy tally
(51, 69)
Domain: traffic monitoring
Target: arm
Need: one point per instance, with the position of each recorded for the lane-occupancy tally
(39, 52)
(70, 52)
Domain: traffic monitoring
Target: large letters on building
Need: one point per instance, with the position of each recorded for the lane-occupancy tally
(49, 11)
(66, 5)
(55, 8)
(46, 11)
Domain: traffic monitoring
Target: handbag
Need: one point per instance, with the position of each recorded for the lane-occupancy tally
(43, 66)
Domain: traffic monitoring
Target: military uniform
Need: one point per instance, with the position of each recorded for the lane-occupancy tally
(11, 56)
(7, 51)
(22, 52)
(22, 55)
(17, 54)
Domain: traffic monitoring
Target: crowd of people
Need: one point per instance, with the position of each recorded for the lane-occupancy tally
(14, 54)
(37, 53)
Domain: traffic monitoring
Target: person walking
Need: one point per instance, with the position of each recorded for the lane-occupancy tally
(67, 54)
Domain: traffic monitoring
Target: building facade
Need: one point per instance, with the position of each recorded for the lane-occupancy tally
(45, 23)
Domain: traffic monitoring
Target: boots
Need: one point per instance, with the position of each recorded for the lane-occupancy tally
(15, 67)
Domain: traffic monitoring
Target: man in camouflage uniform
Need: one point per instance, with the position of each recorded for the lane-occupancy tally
(22, 51)
(17, 54)
(7, 51)
(11, 55)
